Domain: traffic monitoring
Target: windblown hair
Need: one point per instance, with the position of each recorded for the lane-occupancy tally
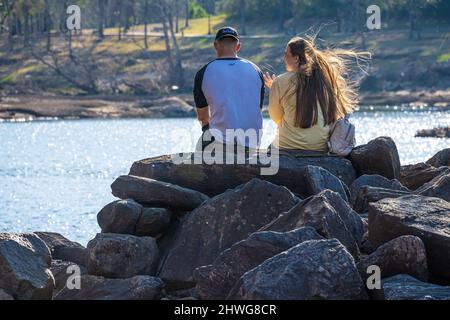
(323, 80)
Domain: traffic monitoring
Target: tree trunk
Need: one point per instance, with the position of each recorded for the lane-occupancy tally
(101, 19)
(146, 24)
(186, 22)
(48, 25)
(281, 15)
(178, 62)
(11, 19)
(166, 35)
(243, 16)
(26, 14)
(177, 16)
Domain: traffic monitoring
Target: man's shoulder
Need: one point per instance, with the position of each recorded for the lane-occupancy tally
(202, 70)
(254, 65)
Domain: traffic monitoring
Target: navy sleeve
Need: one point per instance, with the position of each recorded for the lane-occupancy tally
(263, 87)
(199, 96)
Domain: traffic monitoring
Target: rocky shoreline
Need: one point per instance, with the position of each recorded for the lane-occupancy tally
(319, 229)
(29, 108)
(434, 133)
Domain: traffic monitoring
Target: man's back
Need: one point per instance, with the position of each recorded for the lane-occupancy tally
(233, 88)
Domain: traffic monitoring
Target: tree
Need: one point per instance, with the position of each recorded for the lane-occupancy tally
(48, 25)
(243, 21)
(101, 17)
(186, 8)
(146, 12)
(282, 14)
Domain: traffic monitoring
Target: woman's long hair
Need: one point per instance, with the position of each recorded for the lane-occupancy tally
(321, 79)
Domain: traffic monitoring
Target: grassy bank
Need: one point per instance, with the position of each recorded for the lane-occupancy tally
(125, 67)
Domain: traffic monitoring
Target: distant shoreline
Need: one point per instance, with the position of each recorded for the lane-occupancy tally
(28, 108)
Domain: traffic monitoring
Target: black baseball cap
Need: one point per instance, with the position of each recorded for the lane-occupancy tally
(227, 32)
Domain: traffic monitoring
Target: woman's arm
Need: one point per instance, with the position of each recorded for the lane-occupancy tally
(275, 109)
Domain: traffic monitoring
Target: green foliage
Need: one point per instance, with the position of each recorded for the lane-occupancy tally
(444, 57)
(196, 10)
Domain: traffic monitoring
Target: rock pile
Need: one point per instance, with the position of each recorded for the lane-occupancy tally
(196, 231)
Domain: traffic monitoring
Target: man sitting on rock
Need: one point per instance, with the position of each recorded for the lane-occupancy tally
(229, 95)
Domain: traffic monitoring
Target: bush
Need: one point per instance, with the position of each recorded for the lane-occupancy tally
(196, 10)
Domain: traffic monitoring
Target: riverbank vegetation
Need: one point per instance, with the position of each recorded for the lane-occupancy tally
(154, 48)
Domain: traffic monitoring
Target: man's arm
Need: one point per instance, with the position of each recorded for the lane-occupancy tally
(202, 108)
(204, 116)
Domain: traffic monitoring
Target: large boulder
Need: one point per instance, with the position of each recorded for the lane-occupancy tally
(220, 223)
(405, 287)
(329, 214)
(99, 288)
(439, 187)
(215, 179)
(373, 181)
(130, 217)
(312, 270)
(156, 193)
(153, 222)
(61, 271)
(318, 180)
(24, 267)
(379, 156)
(426, 218)
(368, 194)
(5, 296)
(122, 256)
(404, 255)
(415, 176)
(64, 249)
(120, 217)
(441, 159)
(215, 281)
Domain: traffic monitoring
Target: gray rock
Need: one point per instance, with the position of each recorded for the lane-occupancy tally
(441, 159)
(4, 296)
(329, 214)
(98, 288)
(319, 179)
(379, 156)
(368, 194)
(415, 176)
(156, 193)
(62, 248)
(153, 222)
(373, 181)
(120, 217)
(61, 271)
(426, 218)
(439, 187)
(405, 287)
(122, 256)
(215, 179)
(312, 270)
(404, 255)
(220, 223)
(214, 282)
(24, 267)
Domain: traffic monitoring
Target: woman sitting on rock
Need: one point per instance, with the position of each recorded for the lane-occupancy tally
(307, 100)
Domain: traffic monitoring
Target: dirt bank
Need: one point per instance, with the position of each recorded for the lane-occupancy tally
(27, 108)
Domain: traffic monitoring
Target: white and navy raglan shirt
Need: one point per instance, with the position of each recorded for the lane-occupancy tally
(233, 88)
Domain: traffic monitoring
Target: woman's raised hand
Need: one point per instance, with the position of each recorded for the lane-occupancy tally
(268, 79)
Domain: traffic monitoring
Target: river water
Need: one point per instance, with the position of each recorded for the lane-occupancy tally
(56, 175)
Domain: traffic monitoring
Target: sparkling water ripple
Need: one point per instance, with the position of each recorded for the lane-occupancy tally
(56, 175)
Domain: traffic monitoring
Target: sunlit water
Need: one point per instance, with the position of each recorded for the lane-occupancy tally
(56, 175)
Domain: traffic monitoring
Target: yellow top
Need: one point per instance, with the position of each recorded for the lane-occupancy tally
(282, 110)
